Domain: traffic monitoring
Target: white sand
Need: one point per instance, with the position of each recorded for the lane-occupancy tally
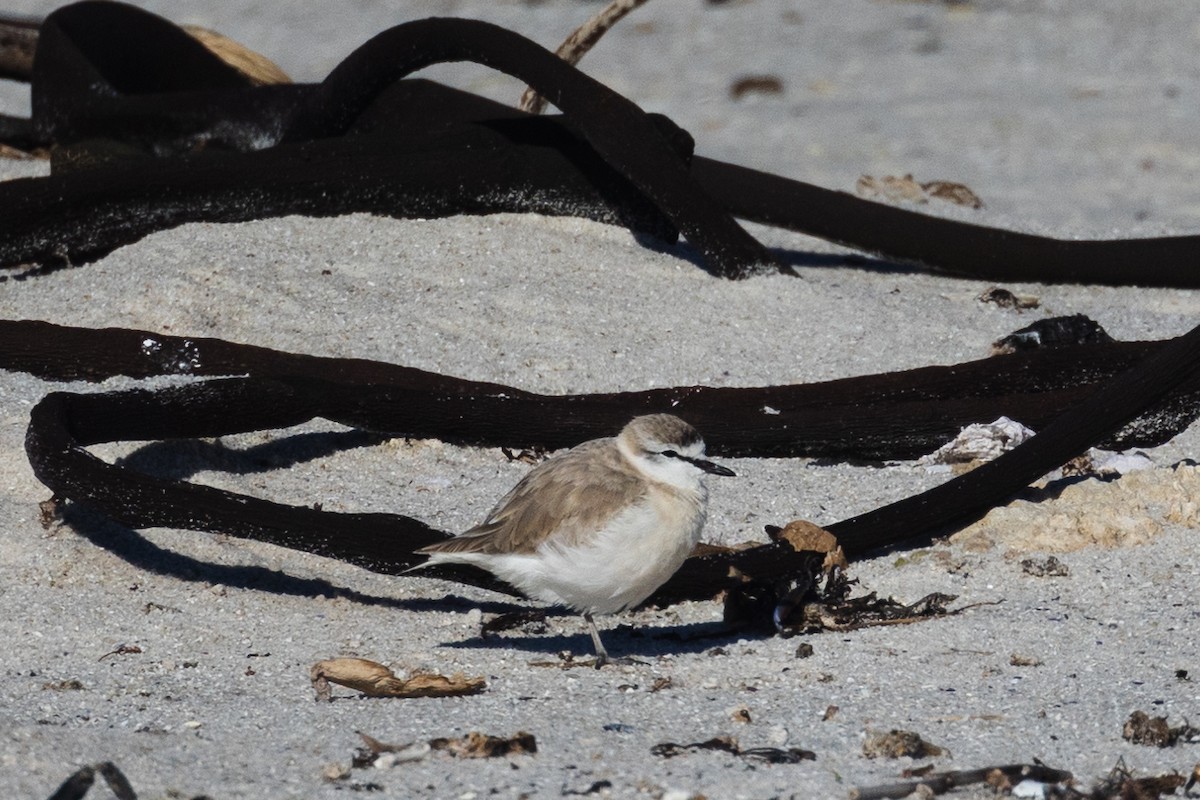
(1067, 119)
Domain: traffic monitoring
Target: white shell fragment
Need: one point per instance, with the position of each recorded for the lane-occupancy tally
(980, 442)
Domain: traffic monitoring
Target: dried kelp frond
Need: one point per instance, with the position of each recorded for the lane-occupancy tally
(1141, 728)
(1120, 784)
(823, 603)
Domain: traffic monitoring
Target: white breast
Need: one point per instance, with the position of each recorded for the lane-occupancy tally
(621, 566)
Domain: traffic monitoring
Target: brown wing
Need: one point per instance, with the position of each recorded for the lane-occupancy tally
(569, 496)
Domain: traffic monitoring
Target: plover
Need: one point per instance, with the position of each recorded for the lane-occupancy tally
(600, 527)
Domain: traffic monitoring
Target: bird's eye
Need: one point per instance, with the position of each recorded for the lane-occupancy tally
(669, 454)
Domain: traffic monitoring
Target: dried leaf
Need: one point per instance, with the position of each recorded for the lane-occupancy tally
(482, 745)
(905, 189)
(1017, 660)
(528, 456)
(375, 680)
(803, 535)
(897, 744)
(955, 193)
(891, 188)
(123, 650)
(1007, 299)
(661, 683)
(755, 84)
(1051, 567)
(1141, 728)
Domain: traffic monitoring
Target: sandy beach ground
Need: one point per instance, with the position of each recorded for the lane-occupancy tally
(1080, 120)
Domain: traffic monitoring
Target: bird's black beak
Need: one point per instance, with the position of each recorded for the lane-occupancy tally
(710, 467)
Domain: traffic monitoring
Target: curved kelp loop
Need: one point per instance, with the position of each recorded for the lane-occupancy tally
(415, 148)
(64, 424)
(619, 131)
(952, 246)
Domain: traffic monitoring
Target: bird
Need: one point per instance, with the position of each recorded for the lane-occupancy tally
(597, 528)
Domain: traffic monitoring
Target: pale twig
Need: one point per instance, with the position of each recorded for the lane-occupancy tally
(578, 43)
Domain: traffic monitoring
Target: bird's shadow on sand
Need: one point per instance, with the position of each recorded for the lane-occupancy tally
(138, 551)
(624, 640)
(182, 459)
(788, 257)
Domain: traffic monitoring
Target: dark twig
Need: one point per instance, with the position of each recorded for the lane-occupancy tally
(942, 782)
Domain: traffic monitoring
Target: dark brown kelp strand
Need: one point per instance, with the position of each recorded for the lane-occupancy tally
(82, 215)
(959, 248)
(889, 416)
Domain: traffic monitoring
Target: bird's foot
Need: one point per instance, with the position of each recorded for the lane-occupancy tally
(619, 661)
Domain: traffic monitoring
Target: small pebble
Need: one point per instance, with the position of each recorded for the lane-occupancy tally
(335, 772)
(678, 794)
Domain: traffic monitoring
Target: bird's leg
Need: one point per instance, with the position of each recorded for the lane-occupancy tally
(601, 653)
